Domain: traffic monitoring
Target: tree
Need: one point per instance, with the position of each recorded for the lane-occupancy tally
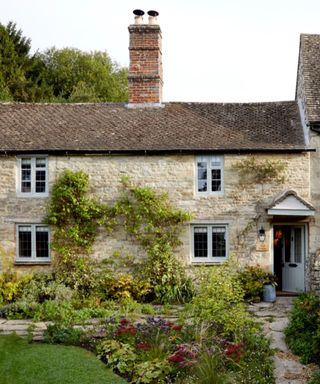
(77, 76)
(56, 75)
(14, 62)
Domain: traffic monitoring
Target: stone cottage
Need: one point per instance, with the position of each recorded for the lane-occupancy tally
(247, 173)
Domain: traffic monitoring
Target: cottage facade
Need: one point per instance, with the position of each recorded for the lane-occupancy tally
(193, 151)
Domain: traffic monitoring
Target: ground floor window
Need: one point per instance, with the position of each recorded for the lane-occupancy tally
(33, 242)
(209, 242)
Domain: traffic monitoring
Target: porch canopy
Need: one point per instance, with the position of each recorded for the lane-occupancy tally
(290, 204)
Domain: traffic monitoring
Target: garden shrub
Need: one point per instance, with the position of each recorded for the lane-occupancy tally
(219, 302)
(303, 331)
(59, 334)
(252, 279)
(315, 379)
(12, 286)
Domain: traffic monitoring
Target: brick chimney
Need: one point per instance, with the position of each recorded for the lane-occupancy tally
(145, 70)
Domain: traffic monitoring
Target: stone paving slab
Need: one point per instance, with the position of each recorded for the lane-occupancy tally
(278, 341)
(279, 325)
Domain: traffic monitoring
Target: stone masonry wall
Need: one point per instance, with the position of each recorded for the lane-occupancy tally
(241, 207)
(315, 199)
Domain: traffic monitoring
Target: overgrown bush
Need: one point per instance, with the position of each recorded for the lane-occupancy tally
(219, 301)
(303, 331)
(12, 286)
(252, 279)
(59, 334)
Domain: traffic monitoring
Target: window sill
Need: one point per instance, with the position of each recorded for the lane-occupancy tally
(32, 262)
(32, 195)
(206, 194)
(207, 263)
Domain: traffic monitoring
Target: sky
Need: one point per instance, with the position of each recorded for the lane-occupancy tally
(213, 50)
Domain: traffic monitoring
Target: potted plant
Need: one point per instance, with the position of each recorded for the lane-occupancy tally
(269, 288)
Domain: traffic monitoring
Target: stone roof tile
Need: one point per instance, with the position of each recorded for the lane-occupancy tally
(310, 62)
(113, 127)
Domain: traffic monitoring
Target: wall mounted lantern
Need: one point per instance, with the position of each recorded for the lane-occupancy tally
(262, 234)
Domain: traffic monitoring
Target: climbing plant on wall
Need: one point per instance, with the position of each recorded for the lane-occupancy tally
(148, 217)
(256, 171)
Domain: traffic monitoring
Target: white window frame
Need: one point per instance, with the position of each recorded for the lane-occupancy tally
(33, 192)
(209, 258)
(33, 259)
(208, 159)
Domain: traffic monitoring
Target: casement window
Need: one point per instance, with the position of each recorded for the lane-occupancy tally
(209, 243)
(33, 243)
(33, 176)
(209, 175)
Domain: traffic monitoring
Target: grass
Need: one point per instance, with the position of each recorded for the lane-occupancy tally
(24, 363)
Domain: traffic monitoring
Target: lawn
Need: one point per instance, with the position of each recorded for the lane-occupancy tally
(24, 363)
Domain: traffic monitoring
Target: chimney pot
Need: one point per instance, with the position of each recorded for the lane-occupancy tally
(153, 17)
(138, 16)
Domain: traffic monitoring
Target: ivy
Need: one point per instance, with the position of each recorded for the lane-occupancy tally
(255, 171)
(148, 217)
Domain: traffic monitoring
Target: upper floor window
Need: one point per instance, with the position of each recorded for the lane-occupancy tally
(33, 176)
(209, 243)
(33, 243)
(210, 175)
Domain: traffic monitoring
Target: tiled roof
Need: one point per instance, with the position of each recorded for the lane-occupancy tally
(175, 127)
(310, 61)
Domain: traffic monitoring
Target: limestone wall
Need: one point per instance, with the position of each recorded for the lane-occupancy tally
(315, 198)
(242, 207)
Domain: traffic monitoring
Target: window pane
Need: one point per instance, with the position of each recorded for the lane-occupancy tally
(202, 170)
(218, 242)
(297, 245)
(42, 242)
(24, 241)
(216, 162)
(25, 175)
(216, 180)
(40, 181)
(26, 163)
(202, 176)
(200, 242)
(40, 162)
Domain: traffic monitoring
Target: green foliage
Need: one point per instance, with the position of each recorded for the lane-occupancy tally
(219, 301)
(59, 334)
(252, 279)
(11, 286)
(77, 76)
(118, 356)
(76, 220)
(56, 75)
(253, 171)
(257, 364)
(153, 371)
(148, 217)
(152, 221)
(303, 331)
(315, 379)
(210, 368)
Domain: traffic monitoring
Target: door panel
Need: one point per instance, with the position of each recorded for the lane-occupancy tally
(293, 258)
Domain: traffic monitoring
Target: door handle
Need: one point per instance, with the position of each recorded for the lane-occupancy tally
(293, 265)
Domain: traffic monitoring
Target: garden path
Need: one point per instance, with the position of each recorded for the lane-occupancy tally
(274, 319)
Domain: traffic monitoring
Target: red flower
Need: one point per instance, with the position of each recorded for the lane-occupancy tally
(234, 351)
(177, 327)
(144, 346)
